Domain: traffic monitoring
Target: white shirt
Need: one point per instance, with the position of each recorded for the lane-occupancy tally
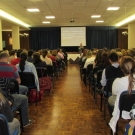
(119, 85)
(89, 61)
(103, 79)
(47, 60)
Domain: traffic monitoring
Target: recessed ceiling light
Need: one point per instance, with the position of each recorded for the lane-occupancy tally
(95, 16)
(113, 8)
(46, 22)
(100, 21)
(33, 10)
(50, 17)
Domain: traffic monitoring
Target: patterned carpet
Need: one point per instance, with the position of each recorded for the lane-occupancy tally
(70, 109)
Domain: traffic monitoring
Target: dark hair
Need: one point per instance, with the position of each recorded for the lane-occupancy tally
(19, 52)
(128, 66)
(30, 52)
(23, 57)
(44, 53)
(36, 57)
(113, 56)
(98, 58)
(12, 52)
(105, 59)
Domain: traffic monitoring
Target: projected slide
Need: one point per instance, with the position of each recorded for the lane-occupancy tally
(73, 36)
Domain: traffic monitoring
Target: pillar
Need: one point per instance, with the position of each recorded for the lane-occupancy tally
(1, 48)
(131, 35)
(15, 37)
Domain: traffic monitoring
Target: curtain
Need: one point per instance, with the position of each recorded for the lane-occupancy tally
(100, 37)
(46, 37)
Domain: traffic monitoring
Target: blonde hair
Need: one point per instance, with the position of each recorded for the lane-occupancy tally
(2, 101)
(128, 66)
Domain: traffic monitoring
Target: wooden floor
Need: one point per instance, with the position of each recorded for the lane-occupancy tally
(68, 110)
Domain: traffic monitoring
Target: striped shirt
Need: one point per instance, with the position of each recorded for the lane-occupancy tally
(8, 70)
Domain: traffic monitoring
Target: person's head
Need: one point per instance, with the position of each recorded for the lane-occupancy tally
(12, 53)
(113, 57)
(44, 53)
(85, 52)
(30, 53)
(88, 54)
(4, 56)
(128, 67)
(105, 59)
(36, 57)
(2, 102)
(23, 57)
(99, 56)
(19, 52)
(54, 52)
(81, 44)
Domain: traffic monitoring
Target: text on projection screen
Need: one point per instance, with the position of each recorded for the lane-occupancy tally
(73, 36)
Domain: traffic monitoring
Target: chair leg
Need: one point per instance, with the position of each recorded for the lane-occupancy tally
(36, 97)
(94, 90)
(101, 102)
(21, 120)
(104, 108)
(95, 95)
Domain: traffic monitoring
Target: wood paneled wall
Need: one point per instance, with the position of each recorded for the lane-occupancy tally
(24, 40)
(122, 39)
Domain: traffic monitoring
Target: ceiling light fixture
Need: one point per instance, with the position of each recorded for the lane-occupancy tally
(50, 17)
(127, 20)
(12, 18)
(33, 10)
(46, 22)
(95, 16)
(100, 21)
(113, 8)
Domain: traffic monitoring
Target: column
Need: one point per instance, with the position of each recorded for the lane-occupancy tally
(1, 48)
(15, 37)
(131, 35)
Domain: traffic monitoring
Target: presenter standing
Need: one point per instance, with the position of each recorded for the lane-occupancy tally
(81, 48)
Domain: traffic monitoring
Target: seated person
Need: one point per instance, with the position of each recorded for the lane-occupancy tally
(25, 66)
(16, 100)
(45, 58)
(30, 53)
(37, 61)
(5, 109)
(119, 85)
(12, 55)
(9, 71)
(90, 58)
(16, 60)
(112, 71)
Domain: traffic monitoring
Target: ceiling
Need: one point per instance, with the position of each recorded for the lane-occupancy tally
(65, 10)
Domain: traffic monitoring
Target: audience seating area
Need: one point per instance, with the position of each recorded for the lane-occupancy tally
(90, 77)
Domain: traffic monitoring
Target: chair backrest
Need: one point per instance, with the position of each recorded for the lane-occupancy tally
(49, 70)
(89, 68)
(126, 101)
(4, 130)
(99, 75)
(15, 88)
(27, 79)
(41, 72)
(108, 87)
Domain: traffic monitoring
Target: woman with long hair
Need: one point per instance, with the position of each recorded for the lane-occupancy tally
(25, 66)
(127, 82)
(5, 109)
